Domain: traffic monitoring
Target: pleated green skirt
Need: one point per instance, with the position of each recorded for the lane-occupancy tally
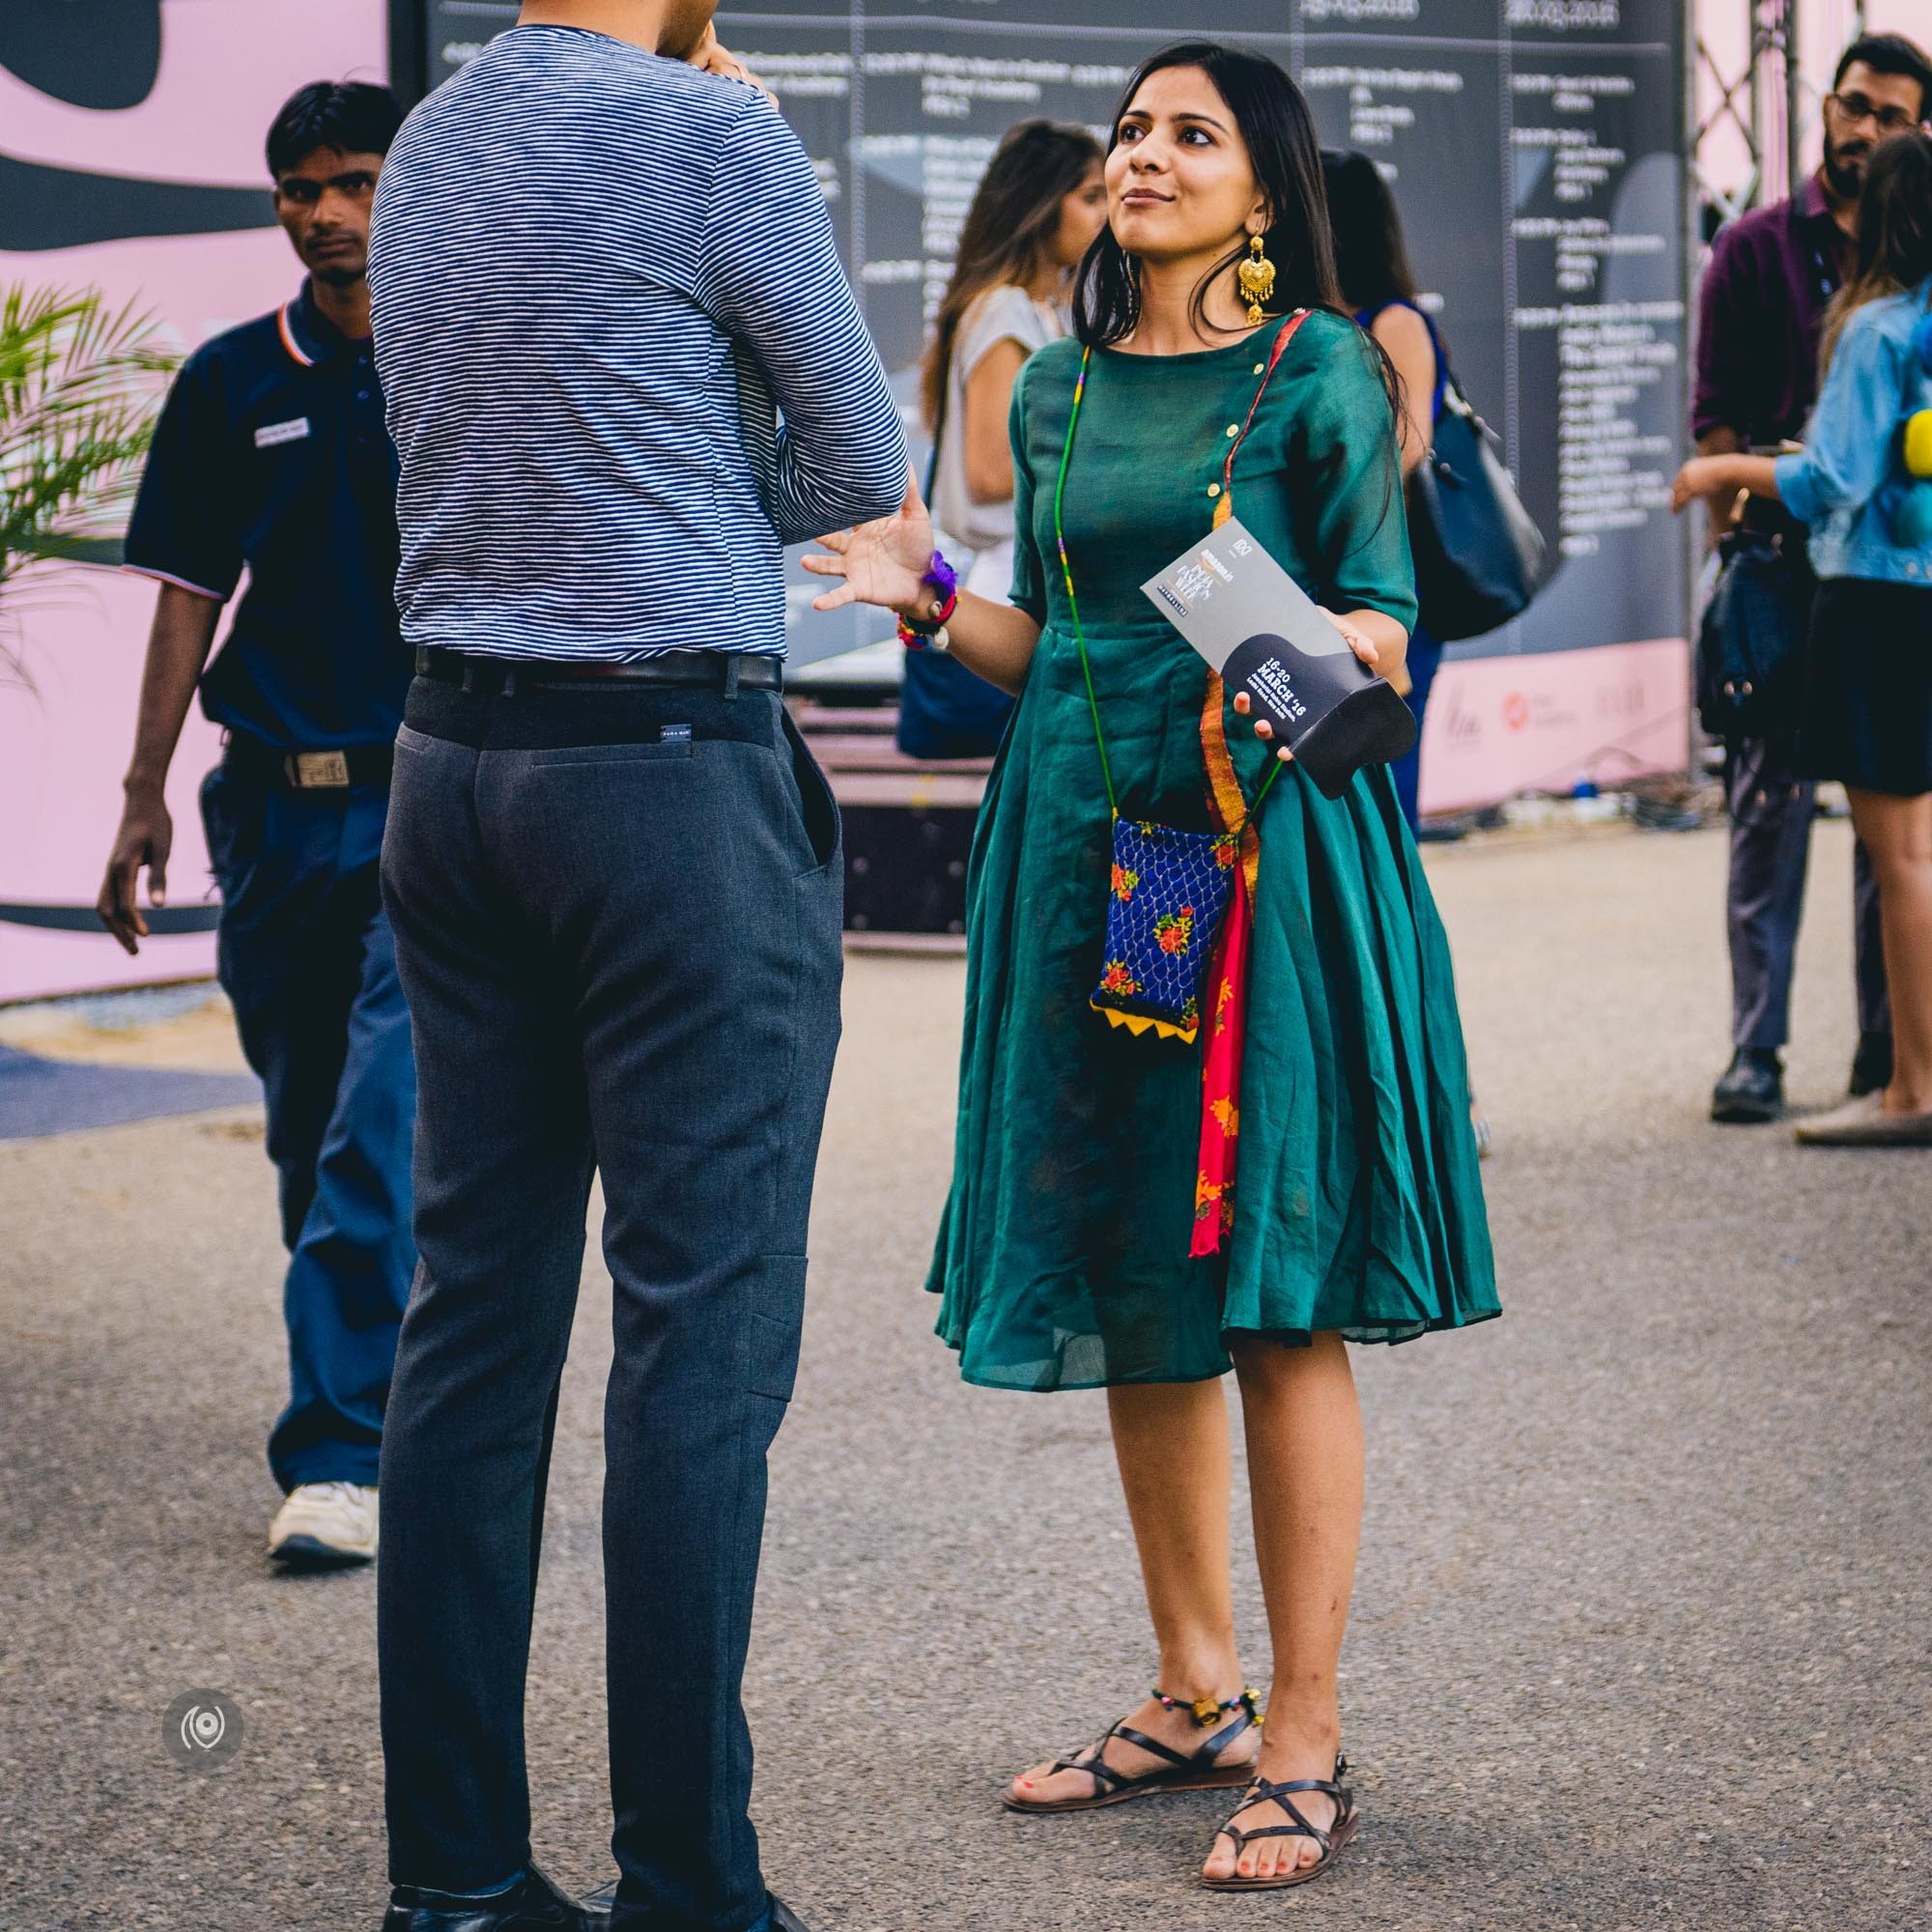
(1063, 1258)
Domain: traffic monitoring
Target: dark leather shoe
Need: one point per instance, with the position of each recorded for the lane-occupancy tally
(1752, 1089)
(1871, 1064)
(536, 1905)
(782, 1920)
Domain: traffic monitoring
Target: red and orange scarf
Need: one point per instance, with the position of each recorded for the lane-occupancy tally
(1225, 1012)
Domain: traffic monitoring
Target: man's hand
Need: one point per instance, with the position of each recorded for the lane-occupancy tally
(708, 56)
(145, 838)
(178, 648)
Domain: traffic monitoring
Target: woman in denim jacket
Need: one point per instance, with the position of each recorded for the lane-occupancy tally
(1867, 717)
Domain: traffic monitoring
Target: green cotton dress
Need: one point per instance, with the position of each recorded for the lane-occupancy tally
(1063, 1258)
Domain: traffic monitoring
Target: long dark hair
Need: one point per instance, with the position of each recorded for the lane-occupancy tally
(1276, 126)
(1371, 258)
(1892, 249)
(1005, 236)
(1278, 129)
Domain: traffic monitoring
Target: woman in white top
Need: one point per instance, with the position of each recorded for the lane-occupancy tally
(1038, 206)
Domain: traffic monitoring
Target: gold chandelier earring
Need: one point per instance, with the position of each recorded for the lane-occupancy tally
(1256, 276)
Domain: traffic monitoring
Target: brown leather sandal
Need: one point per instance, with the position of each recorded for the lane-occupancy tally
(1264, 1791)
(1198, 1770)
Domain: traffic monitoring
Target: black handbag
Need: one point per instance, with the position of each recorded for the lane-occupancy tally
(1751, 643)
(1479, 555)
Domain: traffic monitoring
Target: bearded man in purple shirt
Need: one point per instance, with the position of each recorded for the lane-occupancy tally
(1772, 275)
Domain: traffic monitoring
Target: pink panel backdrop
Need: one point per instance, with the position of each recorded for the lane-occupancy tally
(226, 66)
(1543, 721)
(1495, 726)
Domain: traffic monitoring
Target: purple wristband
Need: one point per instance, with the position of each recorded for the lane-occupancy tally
(940, 577)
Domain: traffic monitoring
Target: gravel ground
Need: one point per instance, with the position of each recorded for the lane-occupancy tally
(1641, 1628)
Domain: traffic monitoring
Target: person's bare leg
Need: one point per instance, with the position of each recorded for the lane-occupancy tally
(1171, 1440)
(1897, 833)
(1304, 1435)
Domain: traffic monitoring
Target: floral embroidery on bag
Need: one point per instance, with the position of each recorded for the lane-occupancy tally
(1172, 929)
(1167, 893)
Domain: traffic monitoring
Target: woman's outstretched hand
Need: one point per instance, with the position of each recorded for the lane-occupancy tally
(882, 563)
(1363, 646)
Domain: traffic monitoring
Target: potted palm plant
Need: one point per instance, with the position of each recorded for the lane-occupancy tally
(78, 387)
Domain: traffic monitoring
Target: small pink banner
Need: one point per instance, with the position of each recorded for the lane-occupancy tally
(1550, 720)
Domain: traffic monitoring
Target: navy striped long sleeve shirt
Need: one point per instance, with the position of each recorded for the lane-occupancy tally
(598, 277)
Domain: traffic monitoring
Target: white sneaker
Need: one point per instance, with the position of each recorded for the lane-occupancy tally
(324, 1524)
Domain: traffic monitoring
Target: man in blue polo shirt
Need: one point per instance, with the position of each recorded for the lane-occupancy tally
(271, 455)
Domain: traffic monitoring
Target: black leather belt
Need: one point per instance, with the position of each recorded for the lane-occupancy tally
(714, 670)
(340, 770)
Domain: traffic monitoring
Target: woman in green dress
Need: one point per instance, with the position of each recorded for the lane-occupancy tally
(1064, 1260)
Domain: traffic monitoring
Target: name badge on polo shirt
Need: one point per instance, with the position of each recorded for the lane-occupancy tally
(270, 433)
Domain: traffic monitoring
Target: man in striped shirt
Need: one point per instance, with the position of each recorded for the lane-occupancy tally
(623, 368)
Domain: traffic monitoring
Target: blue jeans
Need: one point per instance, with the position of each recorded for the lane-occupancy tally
(1771, 809)
(305, 957)
(617, 914)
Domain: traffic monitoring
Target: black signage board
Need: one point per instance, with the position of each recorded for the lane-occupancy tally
(1534, 146)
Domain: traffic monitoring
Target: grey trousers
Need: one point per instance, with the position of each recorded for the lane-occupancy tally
(617, 918)
(1771, 846)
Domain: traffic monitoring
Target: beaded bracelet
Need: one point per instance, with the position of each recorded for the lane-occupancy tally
(943, 582)
(919, 634)
(928, 637)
